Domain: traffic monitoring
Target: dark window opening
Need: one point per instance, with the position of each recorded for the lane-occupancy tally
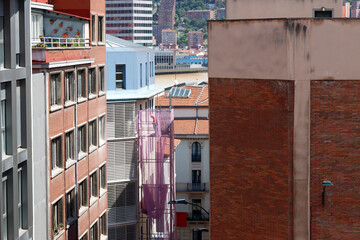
(323, 14)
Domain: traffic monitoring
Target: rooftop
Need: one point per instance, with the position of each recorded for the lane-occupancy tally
(191, 126)
(198, 97)
(118, 44)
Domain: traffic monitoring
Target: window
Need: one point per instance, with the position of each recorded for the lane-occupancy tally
(92, 81)
(4, 120)
(196, 211)
(21, 113)
(82, 141)
(120, 76)
(5, 210)
(92, 135)
(196, 152)
(56, 155)
(69, 147)
(84, 237)
(101, 79)
(93, 186)
(57, 215)
(20, 197)
(102, 179)
(93, 29)
(101, 31)
(103, 227)
(36, 27)
(197, 234)
(82, 196)
(70, 205)
(146, 74)
(81, 81)
(196, 176)
(18, 34)
(55, 89)
(69, 86)
(141, 73)
(102, 136)
(323, 13)
(94, 231)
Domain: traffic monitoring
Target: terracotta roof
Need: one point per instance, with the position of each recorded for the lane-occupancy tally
(187, 126)
(198, 96)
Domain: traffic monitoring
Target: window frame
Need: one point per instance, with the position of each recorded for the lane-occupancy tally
(103, 224)
(101, 80)
(5, 206)
(81, 88)
(58, 207)
(57, 165)
(82, 154)
(56, 101)
(92, 82)
(70, 206)
(93, 190)
(196, 152)
(70, 156)
(39, 27)
(92, 135)
(120, 81)
(102, 130)
(93, 29)
(102, 179)
(4, 105)
(94, 227)
(83, 201)
(71, 86)
(101, 35)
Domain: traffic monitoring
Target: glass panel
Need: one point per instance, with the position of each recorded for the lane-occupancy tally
(3, 126)
(19, 113)
(20, 198)
(4, 200)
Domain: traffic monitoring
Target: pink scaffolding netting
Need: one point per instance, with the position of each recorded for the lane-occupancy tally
(157, 177)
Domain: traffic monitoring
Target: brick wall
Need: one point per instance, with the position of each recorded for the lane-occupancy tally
(335, 156)
(251, 134)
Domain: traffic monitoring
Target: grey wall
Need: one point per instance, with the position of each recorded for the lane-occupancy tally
(256, 9)
(40, 178)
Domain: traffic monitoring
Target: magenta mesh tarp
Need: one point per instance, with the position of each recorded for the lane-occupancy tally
(157, 176)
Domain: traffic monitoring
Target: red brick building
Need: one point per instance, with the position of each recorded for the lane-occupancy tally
(283, 121)
(69, 46)
(195, 39)
(200, 14)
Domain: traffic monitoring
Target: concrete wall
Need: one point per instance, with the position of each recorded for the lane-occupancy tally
(40, 126)
(132, 60)
(256, 9)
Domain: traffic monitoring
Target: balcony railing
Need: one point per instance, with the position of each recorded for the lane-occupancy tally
(197, 216)
(196, 187)
(56, 42)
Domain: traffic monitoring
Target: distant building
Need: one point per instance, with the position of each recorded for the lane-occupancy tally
(191, 60)
(168, 37)
(220, 13)
(130, 87)
(166, 17)
(156, 33)
(346, 10)
(191, 127)
(195, 39)
(355, 10)
(130, 20)
(200, 14)
(164, 59)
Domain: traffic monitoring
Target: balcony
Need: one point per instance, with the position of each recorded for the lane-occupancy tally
(192, 187)
(196, 216)
(57, 42)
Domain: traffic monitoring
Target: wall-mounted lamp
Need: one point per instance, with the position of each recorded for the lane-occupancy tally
(325, 183)
(323, 9)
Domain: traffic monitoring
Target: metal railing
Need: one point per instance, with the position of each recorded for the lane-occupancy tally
(197, 216)
(196, 187)
(57, 42)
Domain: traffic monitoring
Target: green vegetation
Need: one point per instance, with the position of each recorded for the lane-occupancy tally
(184, 25)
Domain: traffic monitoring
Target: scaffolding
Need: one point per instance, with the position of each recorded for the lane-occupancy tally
(157, 176)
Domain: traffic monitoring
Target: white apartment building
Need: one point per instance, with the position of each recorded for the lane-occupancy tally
(130, 20)
(191, 127)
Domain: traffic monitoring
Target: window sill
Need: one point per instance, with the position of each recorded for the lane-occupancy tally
(81, 99)
(59, 234)
(101, 93)
(93, 43)
(81, 155)
(22, 232)
(69, 103)
(93, 200)
(55, 172)
(102, 143)
(103, 237)
(92, 148)
(101, 43)
(102, 192)
(70, 163)
(82, 210)
(55, 108)
(92, 95)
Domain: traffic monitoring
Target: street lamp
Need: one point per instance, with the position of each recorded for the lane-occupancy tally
(185, 202)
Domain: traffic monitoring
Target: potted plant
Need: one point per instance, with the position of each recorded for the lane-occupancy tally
(55, 231)
(61, 226)
(52, 21)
